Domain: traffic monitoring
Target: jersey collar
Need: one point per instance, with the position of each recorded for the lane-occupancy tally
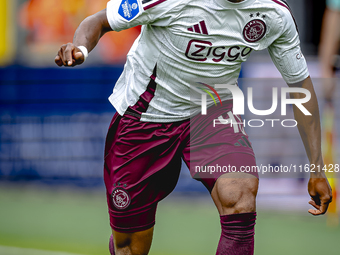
(228, 4)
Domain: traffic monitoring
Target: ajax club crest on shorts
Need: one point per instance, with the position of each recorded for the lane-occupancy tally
(121, 198)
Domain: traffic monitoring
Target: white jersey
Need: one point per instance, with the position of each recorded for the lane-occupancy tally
(185, 43)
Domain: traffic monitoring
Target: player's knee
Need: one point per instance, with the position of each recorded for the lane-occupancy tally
(125, 246)
(137, 243)
(236, 195)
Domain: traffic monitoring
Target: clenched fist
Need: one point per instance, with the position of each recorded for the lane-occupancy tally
(69, 55)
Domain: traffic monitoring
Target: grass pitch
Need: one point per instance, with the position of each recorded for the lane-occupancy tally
(59, 221)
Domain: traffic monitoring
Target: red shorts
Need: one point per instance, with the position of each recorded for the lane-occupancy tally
(143, 160)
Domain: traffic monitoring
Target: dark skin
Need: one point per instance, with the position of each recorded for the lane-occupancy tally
(88, 34)
(233, 192)
(310, 132)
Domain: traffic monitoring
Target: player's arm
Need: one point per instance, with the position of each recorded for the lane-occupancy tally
(287, 56)
(116, 18)
(88, 34)
(310, 132)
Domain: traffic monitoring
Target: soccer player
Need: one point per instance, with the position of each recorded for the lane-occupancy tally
(186, 47)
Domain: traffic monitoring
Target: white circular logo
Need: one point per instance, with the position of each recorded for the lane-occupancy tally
(120, 198)
(134, 6)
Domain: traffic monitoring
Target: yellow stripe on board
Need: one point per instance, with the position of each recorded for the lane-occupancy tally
(329, 148)
(7, 29)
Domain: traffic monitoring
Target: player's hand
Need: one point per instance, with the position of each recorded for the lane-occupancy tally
(321, 195)
(69, 55)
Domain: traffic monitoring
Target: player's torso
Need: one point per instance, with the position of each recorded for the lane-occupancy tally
(198, 42)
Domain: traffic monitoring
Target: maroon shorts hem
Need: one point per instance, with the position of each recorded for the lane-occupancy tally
(133, 229)
(133, 221)
(239, 160)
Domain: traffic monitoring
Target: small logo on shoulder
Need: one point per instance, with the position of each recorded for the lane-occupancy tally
(121, 198)
(128, 9)
(254, 30)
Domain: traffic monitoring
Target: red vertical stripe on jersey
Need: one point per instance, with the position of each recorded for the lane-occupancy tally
(153, 4)
(197, 28)
(204, 28)
(142, 104)
(190, 29)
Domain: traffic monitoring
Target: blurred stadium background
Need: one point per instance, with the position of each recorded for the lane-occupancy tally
(53, 123)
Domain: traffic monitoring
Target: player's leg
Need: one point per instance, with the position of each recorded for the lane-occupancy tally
(141, 168)
(132, 227)
(235, 197)
(217, 155)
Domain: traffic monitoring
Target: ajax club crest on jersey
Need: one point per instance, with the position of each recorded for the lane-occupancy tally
(254, 30)
(121, 199)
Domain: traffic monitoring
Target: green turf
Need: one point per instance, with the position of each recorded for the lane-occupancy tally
(76, 221)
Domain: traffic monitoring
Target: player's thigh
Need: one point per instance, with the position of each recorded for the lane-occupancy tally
(215, 149)
(221, 156)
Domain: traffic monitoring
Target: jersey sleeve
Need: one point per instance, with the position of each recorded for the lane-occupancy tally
(124, 14)
(286, 52)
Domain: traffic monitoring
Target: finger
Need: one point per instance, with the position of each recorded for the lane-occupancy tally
(68, 55)
(79, 58)
(73, 59)
(312, 202)
(58, 61)
(323, 208)
(315, 212)
(61, 55)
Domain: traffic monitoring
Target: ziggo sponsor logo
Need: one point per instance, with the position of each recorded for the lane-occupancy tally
(200, 51)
